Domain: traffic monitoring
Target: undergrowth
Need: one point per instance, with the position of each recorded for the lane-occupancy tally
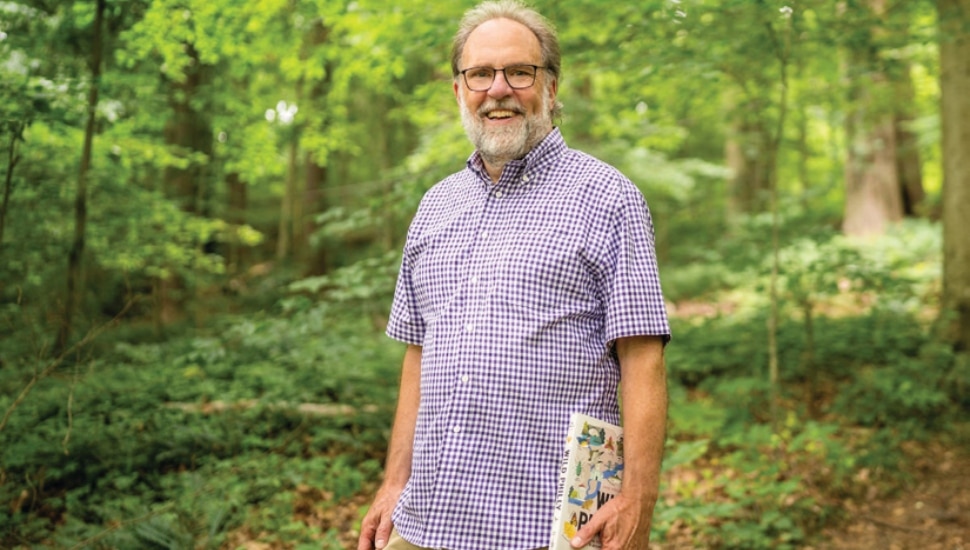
(254, 428)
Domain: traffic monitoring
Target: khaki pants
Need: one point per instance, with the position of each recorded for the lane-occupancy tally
(396, 542)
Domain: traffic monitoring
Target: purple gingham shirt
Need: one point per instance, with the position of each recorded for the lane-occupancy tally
(516, 292)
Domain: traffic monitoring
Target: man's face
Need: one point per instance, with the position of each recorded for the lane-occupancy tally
(505, 123)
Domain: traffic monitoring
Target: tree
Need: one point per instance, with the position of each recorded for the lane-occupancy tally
(954, 17)
(882, 169)
(75, 259)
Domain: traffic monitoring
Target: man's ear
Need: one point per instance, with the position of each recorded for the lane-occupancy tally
(454, 86)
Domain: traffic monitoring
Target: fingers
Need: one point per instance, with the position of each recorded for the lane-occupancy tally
(589, 530)
(367, 532)
(375, 530)
(383, 532)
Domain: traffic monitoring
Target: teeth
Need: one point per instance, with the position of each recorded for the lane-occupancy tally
(501, 114)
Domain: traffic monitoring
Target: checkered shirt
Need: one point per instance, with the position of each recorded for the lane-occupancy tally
(516, 292)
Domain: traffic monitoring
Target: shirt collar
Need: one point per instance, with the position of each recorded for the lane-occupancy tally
(545, 153)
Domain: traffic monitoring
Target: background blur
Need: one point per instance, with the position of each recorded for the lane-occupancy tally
(204, 204)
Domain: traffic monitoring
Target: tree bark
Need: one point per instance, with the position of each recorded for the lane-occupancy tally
(954, 18)
(238, 195)
(872, 197)
(746, 151)
(316, 171)
(189, 133)
(16, 134)
(315, 200)
(76, 256)
(284, 240)
(908, 164)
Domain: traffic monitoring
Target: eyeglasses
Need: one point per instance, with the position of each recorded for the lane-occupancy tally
(480, 79)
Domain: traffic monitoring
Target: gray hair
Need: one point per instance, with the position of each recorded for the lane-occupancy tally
(520, 13)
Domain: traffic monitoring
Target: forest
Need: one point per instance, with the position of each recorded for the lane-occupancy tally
(204, 205)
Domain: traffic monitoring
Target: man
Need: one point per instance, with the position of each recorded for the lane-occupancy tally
(528, 289)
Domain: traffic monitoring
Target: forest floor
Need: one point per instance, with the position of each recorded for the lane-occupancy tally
(930, 511)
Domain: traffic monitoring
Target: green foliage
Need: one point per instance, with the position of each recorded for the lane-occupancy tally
(160, 435)
(758, 489)
(908, 396)
(882, 380)
(176, 439)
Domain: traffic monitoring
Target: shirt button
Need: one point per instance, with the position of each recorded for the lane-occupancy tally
(470, 327)
(456, 429)
(525, 178)
(464, 378)
(498, 194)
(474, 279)
(484, 234)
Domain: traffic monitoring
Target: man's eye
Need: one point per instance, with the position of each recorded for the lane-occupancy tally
(481, 73)
(519, 71)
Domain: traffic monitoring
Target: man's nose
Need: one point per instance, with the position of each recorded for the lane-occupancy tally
(500, 86)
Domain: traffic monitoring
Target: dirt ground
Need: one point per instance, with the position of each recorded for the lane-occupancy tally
(932, 512)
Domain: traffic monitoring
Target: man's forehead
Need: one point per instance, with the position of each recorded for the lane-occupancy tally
(501, 40)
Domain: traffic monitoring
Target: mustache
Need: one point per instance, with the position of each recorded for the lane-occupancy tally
(503, 105)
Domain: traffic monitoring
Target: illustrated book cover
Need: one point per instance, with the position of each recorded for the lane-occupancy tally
(589, 476)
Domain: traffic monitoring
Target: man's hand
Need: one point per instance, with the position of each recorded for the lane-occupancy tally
(375, 529)
(623, 524)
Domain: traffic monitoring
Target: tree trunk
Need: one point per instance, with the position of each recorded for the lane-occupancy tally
(16, 134)
(237, 192)
(808, 362)
(955, 110)
(75, 258)
(284, 239)
(188, 132)
(908, 164)
(746, 152)
(314, 198)
(874, 196)
(317, 170)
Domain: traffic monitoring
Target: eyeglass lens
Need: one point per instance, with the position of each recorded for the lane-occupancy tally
(480, 79)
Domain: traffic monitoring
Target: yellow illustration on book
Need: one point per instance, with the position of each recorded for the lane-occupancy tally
(570, 528)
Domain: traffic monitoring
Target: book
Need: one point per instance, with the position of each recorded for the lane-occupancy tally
(590, 475)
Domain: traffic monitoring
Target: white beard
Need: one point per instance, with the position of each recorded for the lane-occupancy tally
(498, 146)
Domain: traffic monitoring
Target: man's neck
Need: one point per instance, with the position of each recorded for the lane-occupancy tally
(494, 169)
(495, 166)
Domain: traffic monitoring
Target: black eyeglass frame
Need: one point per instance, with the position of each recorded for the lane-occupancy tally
(504, 75)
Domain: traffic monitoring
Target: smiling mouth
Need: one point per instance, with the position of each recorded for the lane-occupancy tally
(499, 114)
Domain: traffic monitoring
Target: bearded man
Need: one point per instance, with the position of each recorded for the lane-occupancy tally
(528, 290)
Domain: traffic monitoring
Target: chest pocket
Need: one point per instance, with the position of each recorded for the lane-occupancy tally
(433, 258)
(543, 273)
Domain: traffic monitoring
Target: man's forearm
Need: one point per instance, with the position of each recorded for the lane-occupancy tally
(644, 404)
(397, 469)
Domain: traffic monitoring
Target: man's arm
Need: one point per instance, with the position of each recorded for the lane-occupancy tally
(624, 522)
(375, 529)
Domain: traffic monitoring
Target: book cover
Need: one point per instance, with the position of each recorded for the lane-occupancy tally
(589, 476)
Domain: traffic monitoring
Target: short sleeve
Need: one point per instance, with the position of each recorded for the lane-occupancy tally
(405, 322)
(630, 280)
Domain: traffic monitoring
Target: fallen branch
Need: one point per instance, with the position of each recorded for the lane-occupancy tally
(315, 409)
(888, 525)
